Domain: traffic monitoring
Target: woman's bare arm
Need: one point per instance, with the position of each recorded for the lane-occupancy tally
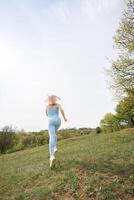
(62, 112)
(46, 112)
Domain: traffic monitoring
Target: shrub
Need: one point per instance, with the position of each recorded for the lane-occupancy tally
(7, 139)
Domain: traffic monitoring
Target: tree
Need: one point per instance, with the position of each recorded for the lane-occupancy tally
(109, 123)
(122, 74)
(124, 38)
(122, 69)
(123, 118)
(7, 137)
(125, 111)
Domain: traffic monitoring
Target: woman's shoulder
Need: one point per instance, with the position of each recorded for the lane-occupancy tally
(57, 104)
(51, 106)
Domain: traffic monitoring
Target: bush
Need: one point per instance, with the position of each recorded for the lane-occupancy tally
(98, 130)
(7, 139)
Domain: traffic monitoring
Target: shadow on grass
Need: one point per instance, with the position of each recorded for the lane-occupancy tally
(107, 167)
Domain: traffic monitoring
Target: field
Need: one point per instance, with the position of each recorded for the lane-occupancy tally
(94, 166)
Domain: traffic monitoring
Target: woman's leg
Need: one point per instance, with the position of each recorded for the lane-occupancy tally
(56, 128)
(52, 139)
(55, 139)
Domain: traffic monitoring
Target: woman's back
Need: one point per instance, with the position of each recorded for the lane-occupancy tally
(52, 111)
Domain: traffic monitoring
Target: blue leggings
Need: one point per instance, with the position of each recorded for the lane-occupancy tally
(53, 124)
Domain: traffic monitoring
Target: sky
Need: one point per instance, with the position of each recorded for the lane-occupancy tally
(56, 47)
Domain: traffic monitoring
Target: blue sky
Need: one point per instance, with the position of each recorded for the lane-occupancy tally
(58, 47)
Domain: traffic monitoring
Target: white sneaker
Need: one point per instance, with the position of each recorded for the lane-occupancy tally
(55, 149)
(51, 160)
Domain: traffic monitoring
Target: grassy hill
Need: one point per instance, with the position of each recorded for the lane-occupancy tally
(86, 167)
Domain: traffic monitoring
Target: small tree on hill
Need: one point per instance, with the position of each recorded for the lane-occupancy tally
(7, 137)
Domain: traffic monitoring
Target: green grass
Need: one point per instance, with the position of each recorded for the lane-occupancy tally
(86, 167)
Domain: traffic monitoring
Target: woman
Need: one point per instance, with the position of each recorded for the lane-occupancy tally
(54, 122)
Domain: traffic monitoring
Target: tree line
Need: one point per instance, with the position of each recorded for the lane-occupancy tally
(12, 140)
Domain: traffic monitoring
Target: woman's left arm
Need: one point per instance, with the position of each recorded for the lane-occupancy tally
(46, 112)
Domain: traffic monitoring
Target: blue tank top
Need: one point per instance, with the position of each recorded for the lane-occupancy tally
(53, 111)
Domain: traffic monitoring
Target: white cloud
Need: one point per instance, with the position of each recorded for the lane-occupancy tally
(94, 8)
(60, 11)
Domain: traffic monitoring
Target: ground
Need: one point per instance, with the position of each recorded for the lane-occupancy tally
(90, 167)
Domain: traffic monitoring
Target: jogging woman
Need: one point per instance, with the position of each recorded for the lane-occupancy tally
(54, 122)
